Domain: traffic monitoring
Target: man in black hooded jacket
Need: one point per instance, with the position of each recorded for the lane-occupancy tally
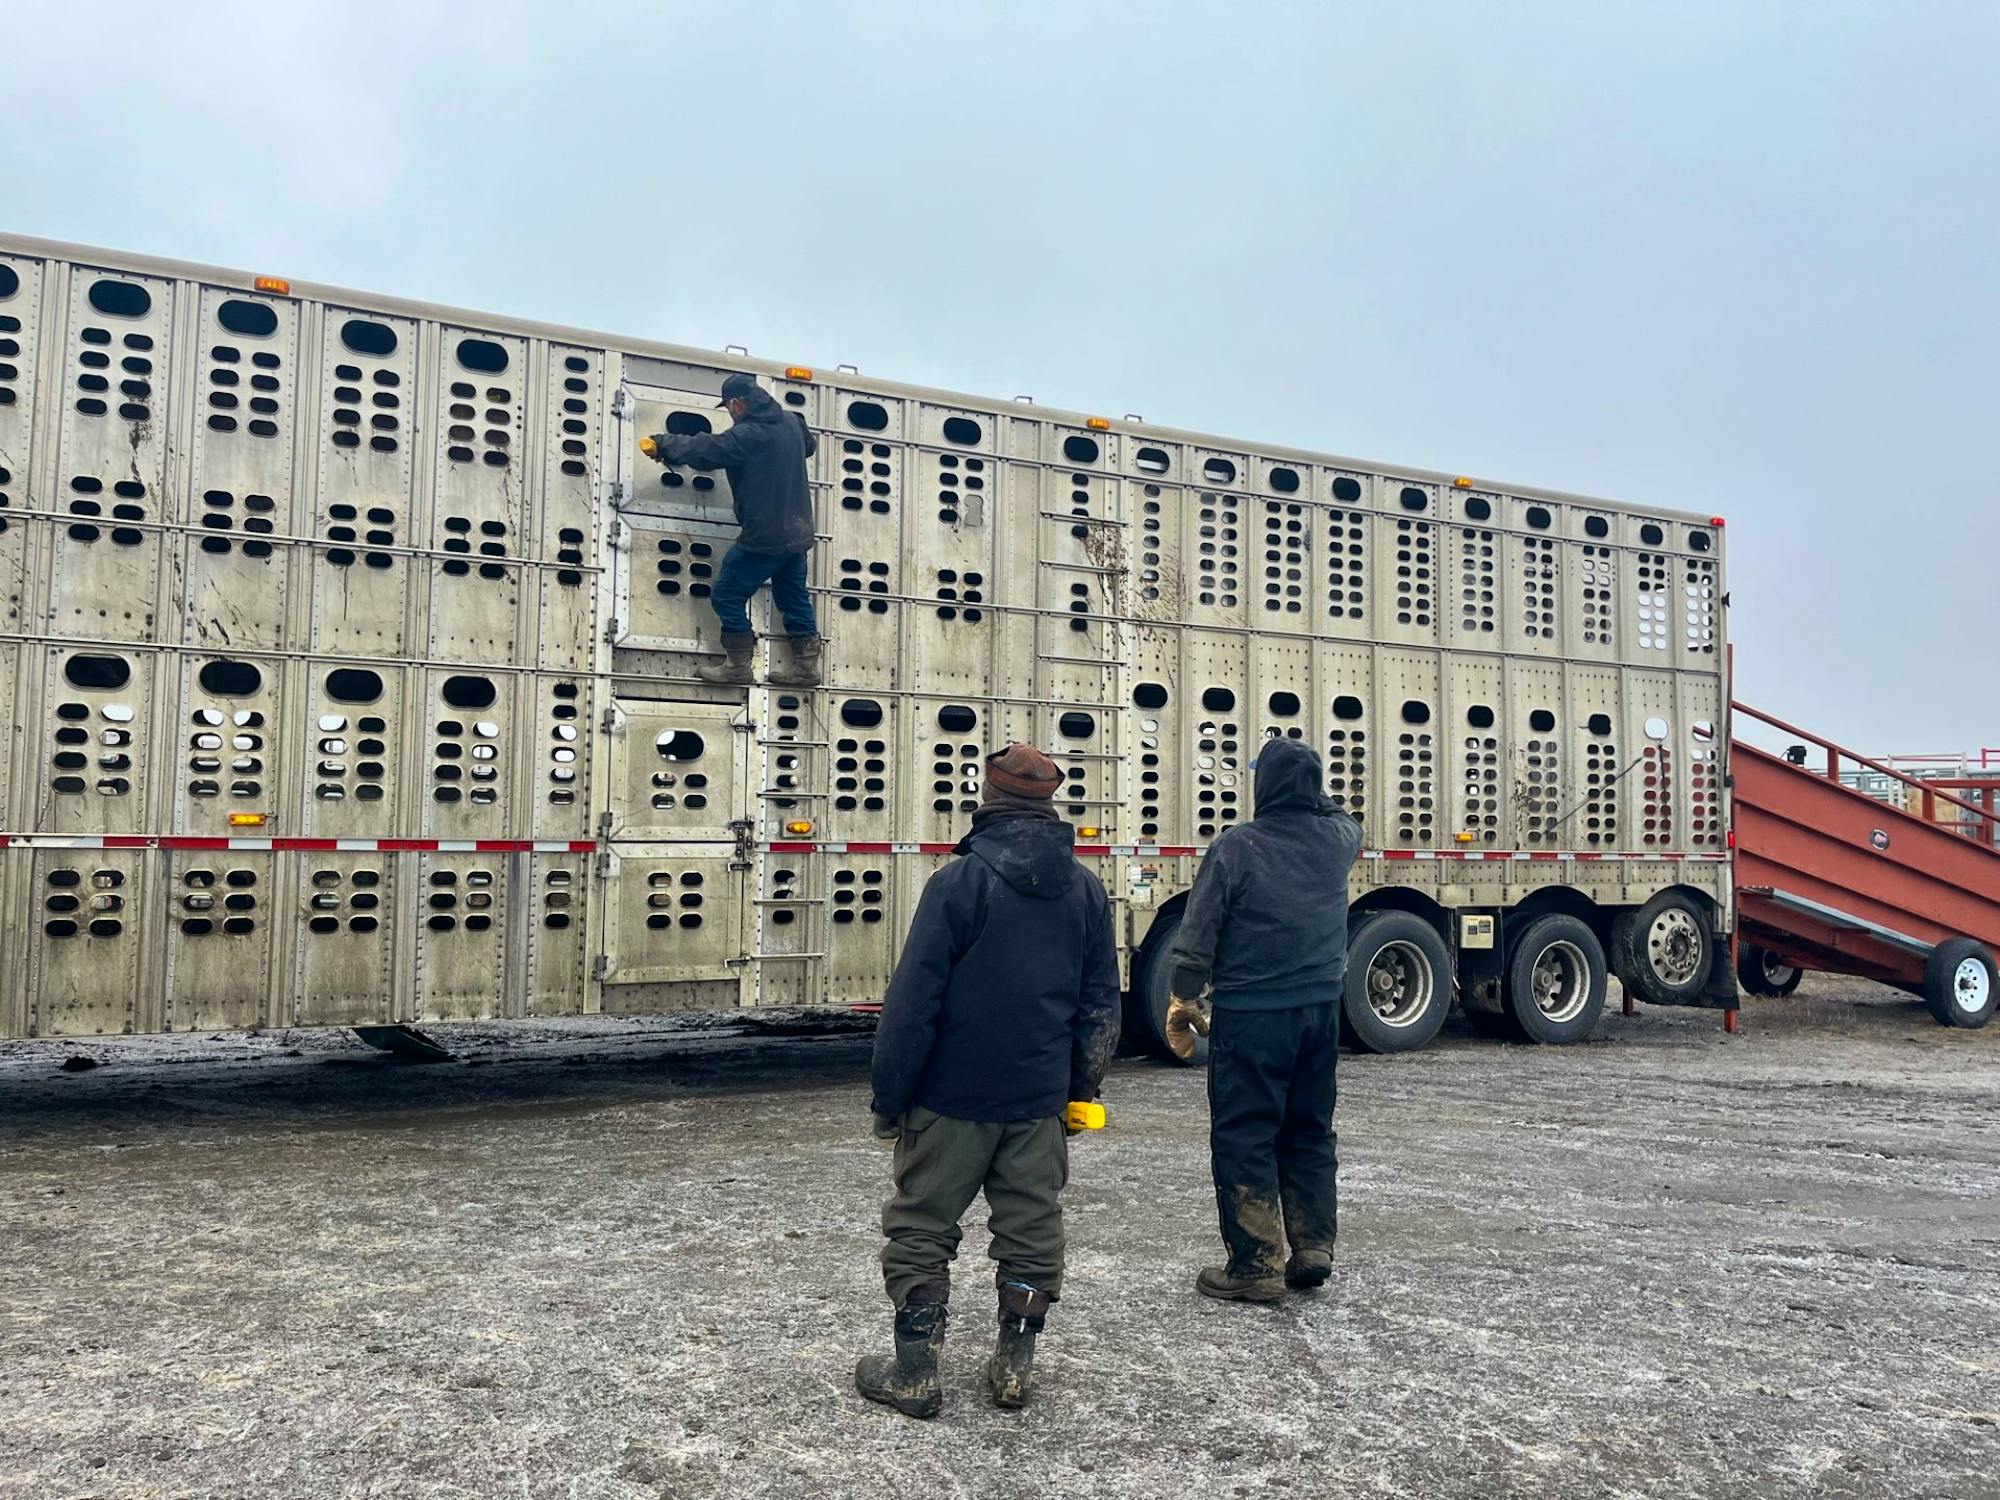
(1003, 1009)
(764, 454)
(1266, 926)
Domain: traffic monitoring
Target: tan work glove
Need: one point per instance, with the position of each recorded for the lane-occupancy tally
(1186, 1019)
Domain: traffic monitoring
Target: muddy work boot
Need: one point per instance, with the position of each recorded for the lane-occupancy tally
(1308, 1269)
(738, 668)
(805, 668)
(908, 1379)
(1225, 1285)
(1010, 1372)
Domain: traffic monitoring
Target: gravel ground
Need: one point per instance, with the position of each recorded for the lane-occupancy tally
(632, 1259)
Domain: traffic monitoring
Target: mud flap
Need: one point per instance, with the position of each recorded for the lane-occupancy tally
(406, 1042)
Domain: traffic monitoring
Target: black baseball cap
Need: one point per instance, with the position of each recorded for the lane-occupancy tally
(738, 388)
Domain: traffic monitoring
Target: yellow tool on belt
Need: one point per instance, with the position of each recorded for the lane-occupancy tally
(1085, 1115)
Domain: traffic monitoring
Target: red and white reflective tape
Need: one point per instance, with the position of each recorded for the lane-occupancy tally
(280, 845)
(1171, 851)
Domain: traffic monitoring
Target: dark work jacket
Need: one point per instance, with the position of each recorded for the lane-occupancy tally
(1004, 1005)
(764, 456)
(1266, 922)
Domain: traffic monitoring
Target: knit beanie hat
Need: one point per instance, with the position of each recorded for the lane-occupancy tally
(1022, 771)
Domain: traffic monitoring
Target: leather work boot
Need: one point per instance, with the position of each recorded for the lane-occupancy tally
(805, 667)
(738, 668)
(1308, 1269)
(907, 1380)
(1010, 1372)
(1224, 1285)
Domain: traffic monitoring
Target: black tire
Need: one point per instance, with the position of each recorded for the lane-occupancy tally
(1152, 992)
(1665, 950)
(1961, 986)
(1555, 980)
(1399, 982)
(1761, 972)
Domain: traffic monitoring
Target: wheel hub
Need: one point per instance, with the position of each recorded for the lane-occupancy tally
(1971, 985)
(1674, 945)
(1560, 982)
(1399, 984)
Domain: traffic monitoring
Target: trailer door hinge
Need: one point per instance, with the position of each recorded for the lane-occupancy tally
(604, 824)
(617, 526)
(600, 967)
(610, 721)
(604, 865)
(621, 403)
(614, 631)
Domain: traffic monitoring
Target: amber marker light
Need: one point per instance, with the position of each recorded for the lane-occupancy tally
(274, 284)
(1099, 424)
(247, 820)
(797, 372)
(799, 829)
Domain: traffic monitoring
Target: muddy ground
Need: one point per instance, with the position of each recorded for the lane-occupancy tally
(622, 1259)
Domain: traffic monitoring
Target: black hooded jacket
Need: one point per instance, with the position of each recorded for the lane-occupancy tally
(764, 456)
(1266, 922)
(1004, 1005)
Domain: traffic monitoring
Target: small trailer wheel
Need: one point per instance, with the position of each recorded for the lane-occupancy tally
(1762, 973)
(1960, 984)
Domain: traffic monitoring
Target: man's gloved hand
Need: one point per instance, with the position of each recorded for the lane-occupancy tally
(654, 446)
(1186, 1019)
(886, 1127)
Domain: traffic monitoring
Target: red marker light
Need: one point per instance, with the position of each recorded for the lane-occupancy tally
(1717, 521)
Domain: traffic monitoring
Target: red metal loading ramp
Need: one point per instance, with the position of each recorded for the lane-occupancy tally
(1831, 879)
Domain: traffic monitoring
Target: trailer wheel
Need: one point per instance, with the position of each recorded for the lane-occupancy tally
(1154, 991)
(1399, 982)
(1665, 950)
(1960, 983)
(1762, 973)
(1555, 980)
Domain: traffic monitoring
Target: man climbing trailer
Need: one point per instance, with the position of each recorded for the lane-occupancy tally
(764, 453)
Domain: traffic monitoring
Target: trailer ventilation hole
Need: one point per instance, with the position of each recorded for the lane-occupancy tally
(230, 679)
(97, 673)
(861, 713)
(255, 320)
(10, 282)
(961, 430)
(482, 355)
(1539, 518)
(1076, 726)
(469, 692)
(376, 340)
(353, 685)
(1151, 695)
(1152, 461)
(1700, 541)
(1596, 526)
(687, 423)
(120, 299)
(1347, 707)
(1218, 471)
(1285, 481)
(1347, 489)
(1479, 716)
(956, 718)
(1079, 449)
(1413, 498)
(679, 745)
(1217, 700)
(869, 416)
(1477, 509)
(1541, 721)
(1651, 535)
(1416, 711)
(1285, 705)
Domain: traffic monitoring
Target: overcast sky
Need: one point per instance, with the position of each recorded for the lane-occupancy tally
(1729, 257)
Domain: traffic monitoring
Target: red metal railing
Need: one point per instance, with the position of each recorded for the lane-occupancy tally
(1984, 823)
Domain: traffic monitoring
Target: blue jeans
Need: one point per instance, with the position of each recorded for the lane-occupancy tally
(743, 573)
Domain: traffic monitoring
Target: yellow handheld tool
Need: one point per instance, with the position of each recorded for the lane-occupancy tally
(648, 447)
(1085, 1115)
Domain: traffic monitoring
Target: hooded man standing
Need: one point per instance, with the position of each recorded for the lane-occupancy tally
(1003, 1008)
(1266, 925)
(764, 454)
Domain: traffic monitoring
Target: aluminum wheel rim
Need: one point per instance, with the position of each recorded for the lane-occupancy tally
(1674, 947)
(1400, 984)
(1774, 971)
(1561, 982)
(1971, 986)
